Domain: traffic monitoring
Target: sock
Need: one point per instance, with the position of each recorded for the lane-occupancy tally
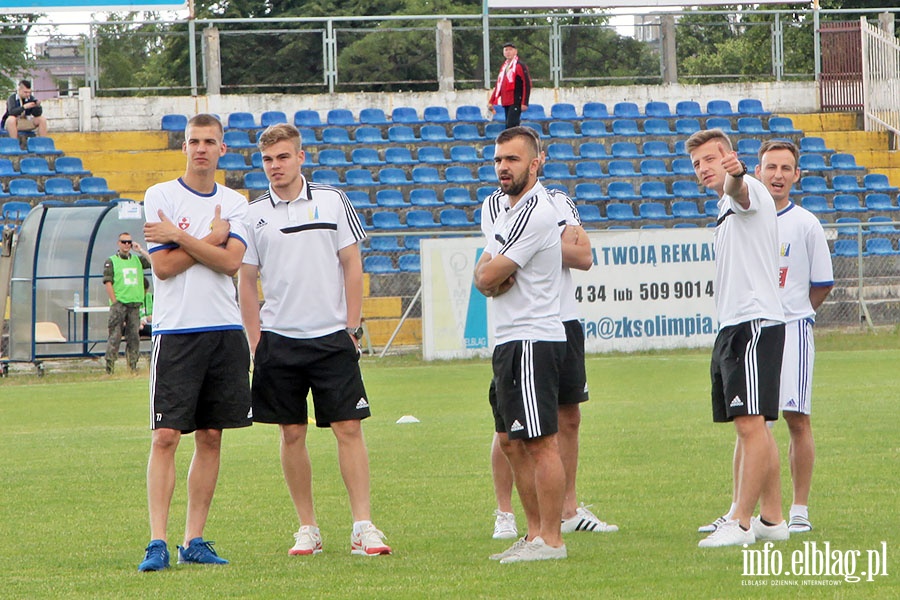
(743, 528)
(358, 526)
(800, 510)
(766, 523)
(730, 512)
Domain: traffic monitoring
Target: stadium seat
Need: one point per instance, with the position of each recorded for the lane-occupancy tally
(656, 148)
(589, 214)
(534, 112)
(432, 155)
(687, 126)
(685, 226)
(487, 152)
(813, 162)
(231, 161)
(749, 146)
(24, 187)
(8, 170)
(557, 170)
(847, 203)
(392, 176)
(307, 118)
(256, 180)
(373, 116)
(880, 247)
(621, 190)
(59, 186)
(654, 211)
(336, 135)
(589, 169)
(466, 132)
(563, 129)
(752, 162)
(558, 186)
(327, 177)
(464, 154)
(402, 134)
(10, 147)
(561, 151)
(455, 217)
(720, 108)
(436, 114)
(816, 204)
(333, 157)
(594, 128)
(487, 174)
(626, 127)
(424, 198)
(683, 166)
(620, 212)
(659, 110)
(686, 189)
(421, 219)
(625, 150)
(35, 166)
(685, 209)
(467, 112)
(386, 220)
(94, 186)
(847, 184)
(366, 157)
(412, 242)
(654, 167)
(655, 190)
(308, 136)
(593, 150)
(848, 226)
(340, 117)
(882, 225)
(359, 177)
(385, 243)
(626, 110)
(434, 133)
(782, 126)
(814, 144)
(378, 264)
(589, 192)
(873, 182)
(563, 112)
(238, 138)
(41, 145)
(688, 108)
(68, 165)
(359, 199)
(657, 127)
(459, 175)
(175, 123)
(653, 226)
(844, 162)
(751, 126)
(458, 196)
(390, 199)
(720, 123)
(15, 211)
(880, 202)
(483, 192)
(711, 208)
(272, 117)
(814, 184)
(405, 114)
(362, 220)
(492, 130)
(409, 263)
(427, 176)
(846, 248)
(399, 156)
(595, 110)
(242, 120)
(751, 107)
(621, 168)
(256, 160)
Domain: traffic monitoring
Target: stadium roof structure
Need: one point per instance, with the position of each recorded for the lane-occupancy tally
(59, 254)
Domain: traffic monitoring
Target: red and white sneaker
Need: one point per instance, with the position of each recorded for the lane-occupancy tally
(308, 541)
(368, 542)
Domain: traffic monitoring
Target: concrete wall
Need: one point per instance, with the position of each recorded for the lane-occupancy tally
(83, 113)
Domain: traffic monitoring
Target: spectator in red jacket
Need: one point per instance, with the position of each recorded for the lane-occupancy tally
(513, 87)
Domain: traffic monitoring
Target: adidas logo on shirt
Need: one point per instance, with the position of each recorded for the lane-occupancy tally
(261, 223)
(516, 426)
(737, 401)
(362, 404)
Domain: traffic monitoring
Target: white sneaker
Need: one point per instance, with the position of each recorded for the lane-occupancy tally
(519, 543)
(712, 526)
(308, 541)
(799, 524)
(728, 533)
(585, 520)
(368, 542)
(774, 533)
(535, 550)
(505, 526)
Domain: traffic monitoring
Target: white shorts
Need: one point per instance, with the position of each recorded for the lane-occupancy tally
(797, 367)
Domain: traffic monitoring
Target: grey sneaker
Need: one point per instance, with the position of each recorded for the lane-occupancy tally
(511, 550)
(505, 526)
(585, 520)
(728, 533)
(535, 550)
(799, 524)
(774, 533)
(712, 526)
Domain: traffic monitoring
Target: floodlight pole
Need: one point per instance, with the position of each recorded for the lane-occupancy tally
(486, 44)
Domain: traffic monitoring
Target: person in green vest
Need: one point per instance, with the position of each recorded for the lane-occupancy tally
(146, 313)
(123, 276)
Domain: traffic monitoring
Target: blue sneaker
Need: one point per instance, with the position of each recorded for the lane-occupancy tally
(156, 557)
(199, 552)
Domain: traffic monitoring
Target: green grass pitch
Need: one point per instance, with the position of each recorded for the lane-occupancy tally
(73, 450)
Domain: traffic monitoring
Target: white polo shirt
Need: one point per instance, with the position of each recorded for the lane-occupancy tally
(805, 261)
(747, 253)
(295, 245)
(528, 234)
(199, 299)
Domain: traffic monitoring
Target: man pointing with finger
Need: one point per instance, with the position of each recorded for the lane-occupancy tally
(200, 360)
(746, 361)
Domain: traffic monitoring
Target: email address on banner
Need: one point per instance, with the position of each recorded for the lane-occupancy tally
(659, 325)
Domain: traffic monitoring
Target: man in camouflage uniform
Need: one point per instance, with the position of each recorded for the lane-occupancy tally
(123, 276)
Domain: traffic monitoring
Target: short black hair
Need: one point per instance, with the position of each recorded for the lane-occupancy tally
(25, 82)
(509, 45)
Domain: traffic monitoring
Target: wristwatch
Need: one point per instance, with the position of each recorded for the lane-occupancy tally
(355, 332)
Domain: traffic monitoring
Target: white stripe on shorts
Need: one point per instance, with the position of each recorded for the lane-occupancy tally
(154, 354)
(529, 393)
(751, 368)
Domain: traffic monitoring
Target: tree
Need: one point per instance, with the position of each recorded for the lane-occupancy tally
(15, 56)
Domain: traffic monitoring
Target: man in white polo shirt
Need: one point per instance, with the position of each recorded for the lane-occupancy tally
(746, 360)
(303, 247)
(520, 269)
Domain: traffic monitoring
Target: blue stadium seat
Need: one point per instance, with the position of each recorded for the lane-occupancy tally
(657, 127)
(487, 152)
(373, 116)
(458, 196)
(409, 263)
(492, 130)
(534, 112)
(466, 132)
(362, 220)
(688, 108)
(687, 126)
(242, 120)
(621, 190)
(880, 202)
(844, 162)
(589, 214)
(595, 110)
(782, 126)
(846, 184)
(846, 248)
(326, 177)
(390, 199)
(621, 168)
(359, 199)
(626, 127)
(656, 148)
(751, 126)
(483, 192)
(683, 166)
(333, 157)
(589, 192)
(378, 264)
(557, 170)
(464, 154)
(424, 198)
(336, 135)
(813, 162)
(467, 112)
(340, 117)
(711, 208)
(751, 107)
(434, 133)
(659, 110)
(15, 211)
(593, 150)
(880, 247)
(10, 147)
(359, 177)
(620, 212)
(272, 117)
(686, 189)
(816, 204)
(24, 187)
(563, 129)
(654, 211)
(459, 175)
(238, 138)
(366, 157)
(655, 190)
(405, 114)
(427, 176)
(685, 226)
(589, 169)
(562, 111)
(413, 242)
(432, 155)
(455, 217)
(561, 151)
(847, 203)
(748, 146)
(625, 150)
(848, 226)
(421, 219)
(436, 114)
(386, 220)
(256, 160)
(307, 118)
(720, 108)
(231, 161)
(814, 144)
(402, 134)
(399, 156)
(308, 136)
(559, 186)
(815, 184)
(626, 110)
(685, 209)
(93, 186)
(882, 225)
(594, 128)
(873, 182)
(654, 167)
(487, 174)
(720, 123)
(392, 176)
(35, 166)
(41, 145)
(176, 123)
(8, 170)
(385, 243)
(69, 165)
(59, 186)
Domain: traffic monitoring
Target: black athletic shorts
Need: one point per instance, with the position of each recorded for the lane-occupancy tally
(200, 381)
(286, 369)
(573, 387)
(526, 385)
(746, 371)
